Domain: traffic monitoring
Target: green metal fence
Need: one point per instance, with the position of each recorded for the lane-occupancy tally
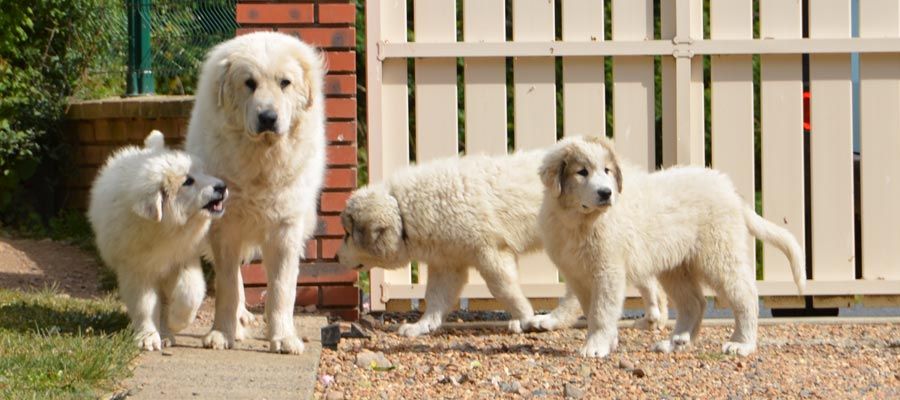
(180, 32)
(157, 45)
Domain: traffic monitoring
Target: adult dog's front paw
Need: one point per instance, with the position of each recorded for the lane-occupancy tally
(288, 345)
(417, 329)
(217, 340)
(148, 340)
(598, 346)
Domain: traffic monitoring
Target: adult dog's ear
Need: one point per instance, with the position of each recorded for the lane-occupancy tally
(553, 171)
(222, 80)
(313, 71)
(150, 207)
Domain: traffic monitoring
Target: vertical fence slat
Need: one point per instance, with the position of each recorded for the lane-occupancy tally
(831, 146)
(484, 21)
(436, 106)
(584, 97)
(436, 122)
(633, 93)
(781, 111)
(731, 101)
(388, 114)
(880, 143)
(690, 149)
(535, 105)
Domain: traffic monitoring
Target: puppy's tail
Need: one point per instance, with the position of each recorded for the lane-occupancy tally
(783, 240)
(155, 141)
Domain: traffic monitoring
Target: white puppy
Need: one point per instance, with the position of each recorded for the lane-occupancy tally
(151, 209)
(258, 123)
(686, 225)
(455, 213)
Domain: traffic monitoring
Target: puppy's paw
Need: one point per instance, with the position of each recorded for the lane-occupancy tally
(240, 333)
(287, 345)
(515, 326)
(543, 322)
(663, 346)
(217, 340)
(168, 340)
(148, 340)
(417, 329)
(647, 323)
(740, 349)
(681, 339)
(245, 317)
(598, 346)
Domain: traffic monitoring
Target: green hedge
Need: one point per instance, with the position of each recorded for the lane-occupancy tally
(46, 50)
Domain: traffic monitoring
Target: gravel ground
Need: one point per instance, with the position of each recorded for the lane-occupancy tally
(793, 361)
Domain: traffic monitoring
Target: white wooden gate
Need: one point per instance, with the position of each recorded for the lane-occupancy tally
(731, 45)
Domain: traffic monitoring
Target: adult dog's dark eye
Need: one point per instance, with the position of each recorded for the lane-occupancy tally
(285, 83)
(189, 181)
(583, 172)
(250, 84)
(607, 170)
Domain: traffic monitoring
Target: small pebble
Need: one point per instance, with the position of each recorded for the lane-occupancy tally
(334, 395)
(573, 392)
(625, 364)
(166, 353)
(639, 372)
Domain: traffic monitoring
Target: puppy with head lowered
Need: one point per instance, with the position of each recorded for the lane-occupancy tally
(150, 209)
(475, 211)
(686, 226)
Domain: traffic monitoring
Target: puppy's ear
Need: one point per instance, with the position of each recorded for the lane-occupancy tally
(553, 171)
(150, 207)
(222, 80)
(615, 167)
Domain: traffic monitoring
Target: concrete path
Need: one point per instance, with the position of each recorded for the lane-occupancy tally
(188, 371)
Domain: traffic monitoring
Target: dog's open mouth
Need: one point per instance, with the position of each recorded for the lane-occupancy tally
(215, 207)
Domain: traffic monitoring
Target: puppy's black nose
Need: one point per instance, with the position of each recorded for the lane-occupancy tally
(267, 120)
(604, 194)
(220, 188)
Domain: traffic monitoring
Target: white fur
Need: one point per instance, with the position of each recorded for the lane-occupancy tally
(275, 174)
(474, 211)
(150, 230)
(686, 226)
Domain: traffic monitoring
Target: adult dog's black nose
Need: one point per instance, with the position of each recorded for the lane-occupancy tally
(604, 194)
(267, 121)
(220, 188)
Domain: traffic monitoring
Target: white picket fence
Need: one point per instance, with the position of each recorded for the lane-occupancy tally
(730, 45)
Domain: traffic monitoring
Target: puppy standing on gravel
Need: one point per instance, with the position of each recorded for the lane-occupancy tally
(687, 226)
(151, 209)
(455, 213)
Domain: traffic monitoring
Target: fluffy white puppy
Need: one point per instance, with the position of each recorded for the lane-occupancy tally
(150, 209)
(685, 225)
(258, 123)
(454, 213)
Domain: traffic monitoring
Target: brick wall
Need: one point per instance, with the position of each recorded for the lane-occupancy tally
(96, 128)
(330, 26)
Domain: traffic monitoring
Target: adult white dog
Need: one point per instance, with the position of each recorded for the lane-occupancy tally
(150, 209)
(455, 213)
(258, 123)
(686, 225)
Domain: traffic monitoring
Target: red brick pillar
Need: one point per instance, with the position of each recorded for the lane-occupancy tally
(329, 25)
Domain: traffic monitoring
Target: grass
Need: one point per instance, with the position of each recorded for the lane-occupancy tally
(56, 347)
